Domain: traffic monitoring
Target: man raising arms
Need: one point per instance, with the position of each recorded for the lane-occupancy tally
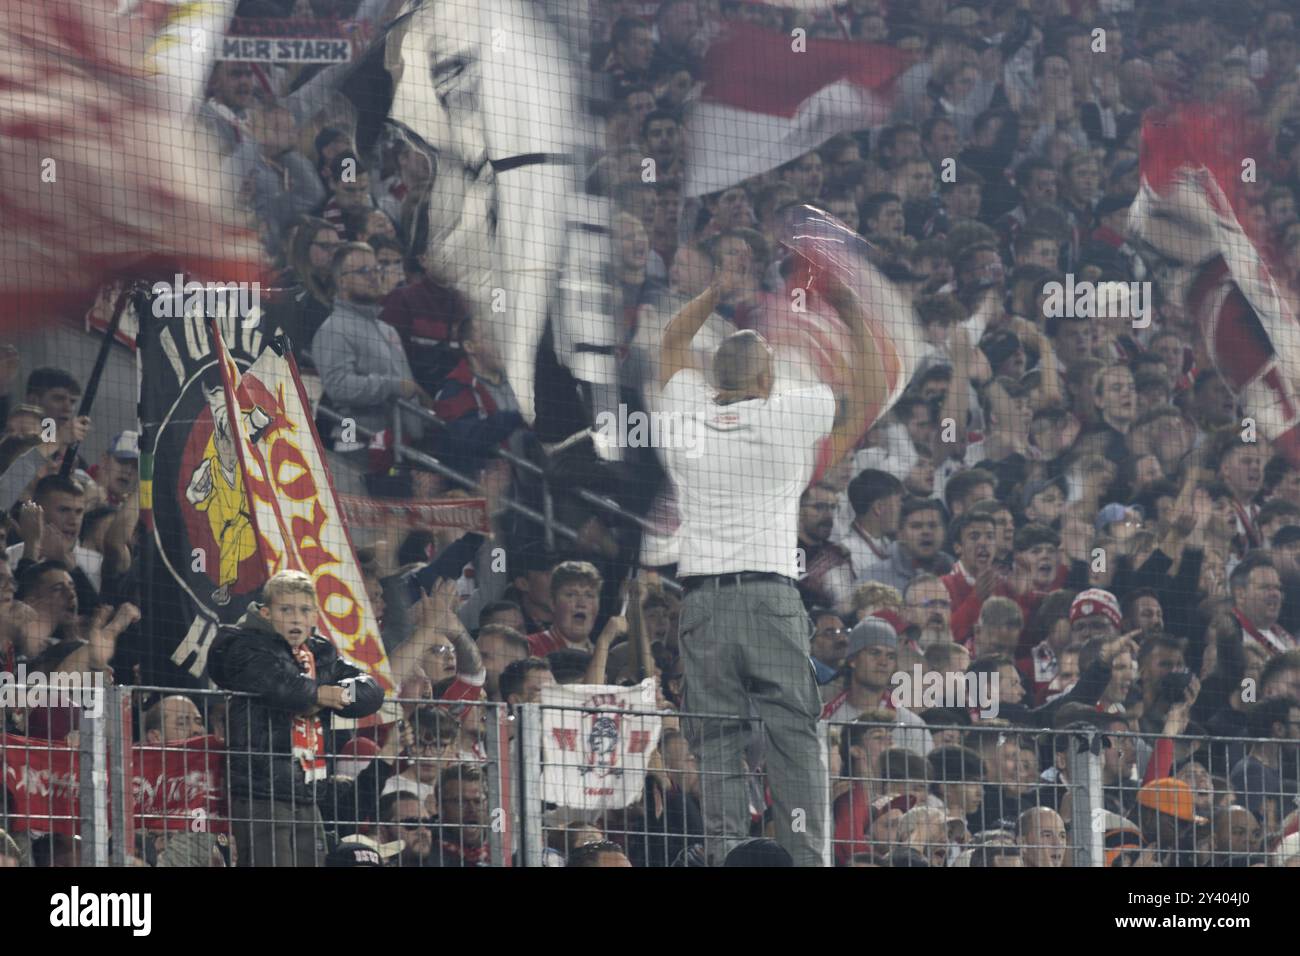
(744, 632)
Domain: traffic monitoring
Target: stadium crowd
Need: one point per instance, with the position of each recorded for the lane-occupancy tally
(1076, 510)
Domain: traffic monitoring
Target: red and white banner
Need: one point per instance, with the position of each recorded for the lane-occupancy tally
(295, 511)
(596, 760)
(181, 787)
(815, 336)
(769, 98)
(1193, 208)
(461, 514)
(106, 178)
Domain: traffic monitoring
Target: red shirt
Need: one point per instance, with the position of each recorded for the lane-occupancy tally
(966, 603)
(548, 641)
(852, 812)
(426, 315)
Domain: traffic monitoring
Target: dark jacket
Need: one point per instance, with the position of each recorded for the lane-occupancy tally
(254, 659)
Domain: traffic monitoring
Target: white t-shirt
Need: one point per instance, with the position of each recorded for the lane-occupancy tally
(739, 470)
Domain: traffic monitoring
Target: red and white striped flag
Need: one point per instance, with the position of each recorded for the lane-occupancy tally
(105, 177)
(1192, 207)
(806, 330)
(767, 100)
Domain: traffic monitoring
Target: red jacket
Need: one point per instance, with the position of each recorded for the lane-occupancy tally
(966, 604)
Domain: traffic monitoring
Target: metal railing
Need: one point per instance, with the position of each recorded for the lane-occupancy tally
(451, 783)
(545, 518)
(402, 451)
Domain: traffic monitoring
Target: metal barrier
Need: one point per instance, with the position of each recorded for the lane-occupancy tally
(174, 777)
(183, 777)
(545, 518)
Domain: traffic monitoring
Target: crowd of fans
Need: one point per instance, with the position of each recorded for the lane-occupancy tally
(1075, 509)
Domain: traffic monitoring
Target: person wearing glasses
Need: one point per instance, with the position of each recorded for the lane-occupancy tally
(362, 365)
(406, 820)
(829, 646)
(827, 577)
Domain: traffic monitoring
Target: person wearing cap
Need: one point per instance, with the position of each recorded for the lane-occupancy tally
(118, 472)
(1116, 524)
(870, 661)
(1166, 815)
(1093, 613)
(362, 850)
(1123, 843)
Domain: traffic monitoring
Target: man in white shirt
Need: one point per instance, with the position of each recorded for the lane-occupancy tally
(744, 632)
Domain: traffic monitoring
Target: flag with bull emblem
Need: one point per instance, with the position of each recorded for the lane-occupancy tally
(596, 744)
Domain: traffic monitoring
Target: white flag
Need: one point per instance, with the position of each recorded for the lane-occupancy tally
(594, 753)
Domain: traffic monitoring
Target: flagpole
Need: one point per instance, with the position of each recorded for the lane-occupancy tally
(148, 433)
(92, 385)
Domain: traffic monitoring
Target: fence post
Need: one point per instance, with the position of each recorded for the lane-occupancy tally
(121, 807)
(501, 839)
(528, 739)
(92, 790)
(1087, 828)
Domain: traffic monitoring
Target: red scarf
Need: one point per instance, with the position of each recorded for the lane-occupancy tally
(467, 855)
(1276, 641)
(308, 736)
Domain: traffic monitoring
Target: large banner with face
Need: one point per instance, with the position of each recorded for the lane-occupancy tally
(295, 516)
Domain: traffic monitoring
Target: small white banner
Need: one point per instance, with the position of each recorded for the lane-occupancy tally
(593, 756)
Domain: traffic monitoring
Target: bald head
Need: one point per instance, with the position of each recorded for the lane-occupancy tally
(743, 363)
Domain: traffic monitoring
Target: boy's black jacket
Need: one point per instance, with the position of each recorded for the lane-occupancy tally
(253, 658)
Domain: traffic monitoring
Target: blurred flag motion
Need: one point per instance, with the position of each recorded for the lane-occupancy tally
(106, 177)
(1193, 209)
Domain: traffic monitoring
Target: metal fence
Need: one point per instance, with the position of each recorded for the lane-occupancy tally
(178, 777)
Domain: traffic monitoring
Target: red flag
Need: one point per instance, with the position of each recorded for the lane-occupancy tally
(1193, 208)
(769, 98)
(808, 326)
(105, 179)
